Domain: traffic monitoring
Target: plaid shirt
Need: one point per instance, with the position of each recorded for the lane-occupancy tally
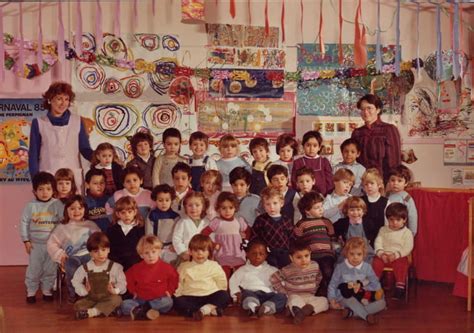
(276, 234)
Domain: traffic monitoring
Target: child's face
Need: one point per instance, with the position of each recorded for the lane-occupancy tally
(371, 187)
(280, 182)
(305, 183)
(199, 256)
(355, 213)
(257, 255)
(143, 148)
(64, 188)
(260, 154)
(240, 188)
(209, 186)
(150, 255)
(172, 146)
(286, 153)
(199, 148)
(226, 210)
(316, 210)
(301, 259)
(132, 183)
(229, 150)
(273, 205)
(163, 201)
(343, 186)
(181, 181)
(127, 215)
(397, 184)
(350, 154)
(44, 192)
(75, 211)
(311, 147)
(355, 256)
(100, 255)
(193, 208)
(96, 186)
(105, 157)
(396, 223)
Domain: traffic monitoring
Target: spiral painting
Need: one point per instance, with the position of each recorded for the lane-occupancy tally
(160, 81)
(115, 120)
(158, 117)
(151, 42)
(133, 87)
(91, 76)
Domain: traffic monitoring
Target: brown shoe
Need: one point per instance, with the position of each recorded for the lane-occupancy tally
(371, 319)
(346, 313)
(307, 310)
(198, 315)
(298, 315)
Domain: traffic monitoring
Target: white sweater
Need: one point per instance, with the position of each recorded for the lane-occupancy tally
(184, 230)
(252, 277)
(398, 241)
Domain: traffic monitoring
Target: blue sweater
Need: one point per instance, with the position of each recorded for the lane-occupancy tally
(35, 141)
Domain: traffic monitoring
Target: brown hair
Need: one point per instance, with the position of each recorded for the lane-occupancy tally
(401, 171)
(141, 137)
(97, 240)
(354, 202)
(149, 241)
(258, 142)
(228, 140)
(286, 140)
(305, 171)
(127, 203)
(212, 174)
(397, 210)
(343, 174)
(69, 202)
(270, 192)
(199, 195)
(371, 99)
(66, 174)
(201, 242)
(308, 200)
(373, 175)
(198, 135)
(227, 196)
(57, 88)
(354, 243)
(101, 147)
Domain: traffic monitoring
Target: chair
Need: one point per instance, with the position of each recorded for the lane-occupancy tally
(411, 277)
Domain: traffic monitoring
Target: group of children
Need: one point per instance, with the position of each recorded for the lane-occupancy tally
(197, 234)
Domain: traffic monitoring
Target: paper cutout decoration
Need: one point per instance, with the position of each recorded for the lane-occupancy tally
(447, 64)
(192, 11)
(133, 87)
(170, 43)
(160, 82)
(241, 36)
(247, 57)
(181, 90)
(111, 86)
(91, 76)
(151, 42)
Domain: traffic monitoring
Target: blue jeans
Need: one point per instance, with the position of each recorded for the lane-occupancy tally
(361, 310)
(161, 304)
(275, 301)
(71, 265)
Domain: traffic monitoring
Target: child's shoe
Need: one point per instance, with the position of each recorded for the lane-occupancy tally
(48, 298)
(347, 313)
(117, 312)
(152, 314)
(137, 313)
(399, 293)
(262, 311)
(81, 314)
(198, 315)
(252, 313)
(371, 319)
(307, 309)
(298, 315)
(217, 312)
(31, 299)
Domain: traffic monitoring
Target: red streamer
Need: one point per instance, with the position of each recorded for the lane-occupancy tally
(232, 8)
(283, 21)
(340, 55)
(267, 25)
(320, 34)
(360, 52)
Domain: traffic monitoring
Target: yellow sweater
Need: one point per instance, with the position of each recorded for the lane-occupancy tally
(200, 279)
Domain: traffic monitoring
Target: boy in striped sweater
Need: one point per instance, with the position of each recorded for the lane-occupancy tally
(300, 281)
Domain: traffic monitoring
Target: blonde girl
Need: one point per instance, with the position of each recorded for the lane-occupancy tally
(65, 184)
(202, 289)
(230, 159)
(374, 198)
(67, 244)
(105, 157)
(194, 221)
(228, 229)
(211, 185)
(126, 230)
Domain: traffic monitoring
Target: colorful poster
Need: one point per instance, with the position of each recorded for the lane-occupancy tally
(250, 83)
(241, 36)
(15, 123)
(455, 152)
(246, 118)
(247, 57)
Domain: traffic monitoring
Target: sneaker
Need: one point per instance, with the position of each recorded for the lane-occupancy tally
(347, 313)
(298, 315)
(117, 312)
(48, 298)
(152, 314)
(371, 319)
(219, 312)
(399, 293)
(81, 314)
(198, 315)
(31, 299)
(137, 313)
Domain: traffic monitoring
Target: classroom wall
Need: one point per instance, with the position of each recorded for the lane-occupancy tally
(428, 169)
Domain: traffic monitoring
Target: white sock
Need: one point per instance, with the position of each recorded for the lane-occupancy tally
(93, 312)
(266, 309)
(252, 306)
(207, 309)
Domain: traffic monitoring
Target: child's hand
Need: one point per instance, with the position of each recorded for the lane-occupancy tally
(217, 246)
(335, 304)
(63, 260)
(384, 258)
(391, 257)
(185, 256)
(238, 298)
(167, 293)
(28, 247)
(111, 288)
(88, 286)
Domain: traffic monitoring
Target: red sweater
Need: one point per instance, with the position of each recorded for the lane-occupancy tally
(151, 281)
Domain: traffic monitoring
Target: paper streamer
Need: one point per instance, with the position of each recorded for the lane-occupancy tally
(117, 19)
(135, 12)
(301, 20)
(2, 48)
(439, 55)
(39, 50)
(418, 72)
(340, 54)
(282, 21)
(249, 11)
(320, 34)
(60, 33)
(267, 25)
(98, 27)
(456, 53)
(20, 49)
(378, 52)
(360, 51)
(398, 56)
(78, 29)
(232, 8)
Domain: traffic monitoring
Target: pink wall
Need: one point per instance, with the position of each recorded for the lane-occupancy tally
(14, 197)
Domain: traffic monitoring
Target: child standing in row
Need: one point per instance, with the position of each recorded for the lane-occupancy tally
(304, 184)
(250, 285)
(230, 159)
(65, 184)
(152, 282)
(211, 185)
(350, 150)
(200, 161)
(96, 199)
(393, 245)
(67, 244)
(125, 232)
(259, 149)
(333, 203)
(38, 219)
(100, 281)
(300, 281)
(202, 289)
(105, 158)
(249, 203)
(278, 176)
(354, 269)
(287, 149)
(143, 157)
(161, 220)
(165, 162)
(374, 197)
(181, 174)
(312, 141)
